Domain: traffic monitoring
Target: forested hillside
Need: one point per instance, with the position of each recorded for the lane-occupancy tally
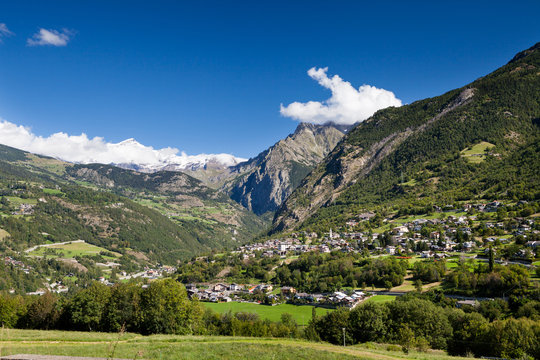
(424, 153)
(46, 200)
(210, 215)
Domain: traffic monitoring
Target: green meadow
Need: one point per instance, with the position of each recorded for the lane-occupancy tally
(134, 346)
(70, 250)
(300, 313)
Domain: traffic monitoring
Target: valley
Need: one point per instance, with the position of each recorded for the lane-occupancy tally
(412, 234)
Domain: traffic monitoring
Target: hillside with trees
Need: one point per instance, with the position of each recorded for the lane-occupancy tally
(420, 153)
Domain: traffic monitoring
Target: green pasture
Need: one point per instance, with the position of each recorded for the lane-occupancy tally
(476, 153)
(381, 298)
(165, 347)
(300, 313)
(70, 250)
(18, 201)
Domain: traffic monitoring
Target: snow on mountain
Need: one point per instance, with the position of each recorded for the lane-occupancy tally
(129, 153)
(147, 159)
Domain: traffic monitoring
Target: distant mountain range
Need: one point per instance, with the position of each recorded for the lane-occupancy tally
(262, 183)
(173, 162)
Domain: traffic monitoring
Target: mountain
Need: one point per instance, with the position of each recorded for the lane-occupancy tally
(160, 160)
(262, 183)
(216, 220)
(159, 217)
(479, 142)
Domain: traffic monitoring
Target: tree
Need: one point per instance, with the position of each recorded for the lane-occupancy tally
(166, 309)
(418, 285)
(86, 308)
(491, 259)
(367, 322)
(123, 308)
(330, 327)
(11, 308)
(43, 313)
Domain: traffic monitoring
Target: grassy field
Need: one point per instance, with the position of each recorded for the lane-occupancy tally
(381, 298)
(52, 191)
(475, 154)
(300, 313)
(70, 250)
(133, 346)
(3, 234)
(18, 201)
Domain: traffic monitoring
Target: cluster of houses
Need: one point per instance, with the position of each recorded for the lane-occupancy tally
(408, 235)
(285, 246)
(232, 292)
(24, 209)
(149, 273)
(8, 260)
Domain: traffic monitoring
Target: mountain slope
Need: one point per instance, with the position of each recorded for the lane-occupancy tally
(422, 143)
(264, 182)
(212, 216)
(129, 218)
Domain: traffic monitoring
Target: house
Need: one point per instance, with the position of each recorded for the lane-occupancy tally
(191, 287)
(288, 290)
(303, 296)
(219, 287)
(400, 230)
(235, 287)
(473, 303)
(366, 216)
(533, 244)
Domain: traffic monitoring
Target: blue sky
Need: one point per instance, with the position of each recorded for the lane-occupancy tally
(209, 76)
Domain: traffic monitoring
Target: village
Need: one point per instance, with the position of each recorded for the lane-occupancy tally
(222, 292)
(433, 237)
(454, 233)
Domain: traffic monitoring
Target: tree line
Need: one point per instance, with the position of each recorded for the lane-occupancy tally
(418, 323)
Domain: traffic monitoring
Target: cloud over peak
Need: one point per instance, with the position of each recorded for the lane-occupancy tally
(50, 37)
(81, 149)
(346, 106)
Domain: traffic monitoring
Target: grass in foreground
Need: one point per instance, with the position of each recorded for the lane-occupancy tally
(300, 313)
(133, 346)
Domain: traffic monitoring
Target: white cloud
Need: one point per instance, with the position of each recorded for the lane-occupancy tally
(346, 106)
(50, 37)
(81, 149)
(4, 31)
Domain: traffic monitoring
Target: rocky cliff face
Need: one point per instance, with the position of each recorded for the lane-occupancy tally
(261, 184)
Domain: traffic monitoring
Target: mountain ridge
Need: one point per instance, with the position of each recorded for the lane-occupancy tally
(368, 162)
(262, 183)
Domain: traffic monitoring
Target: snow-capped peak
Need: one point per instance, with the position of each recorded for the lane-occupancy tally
(81, 149)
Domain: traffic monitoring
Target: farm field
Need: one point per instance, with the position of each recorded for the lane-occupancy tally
(475, 154)
(18, 201)
(134, 346)
(381, 298)
(70, 250)
(300, 313)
